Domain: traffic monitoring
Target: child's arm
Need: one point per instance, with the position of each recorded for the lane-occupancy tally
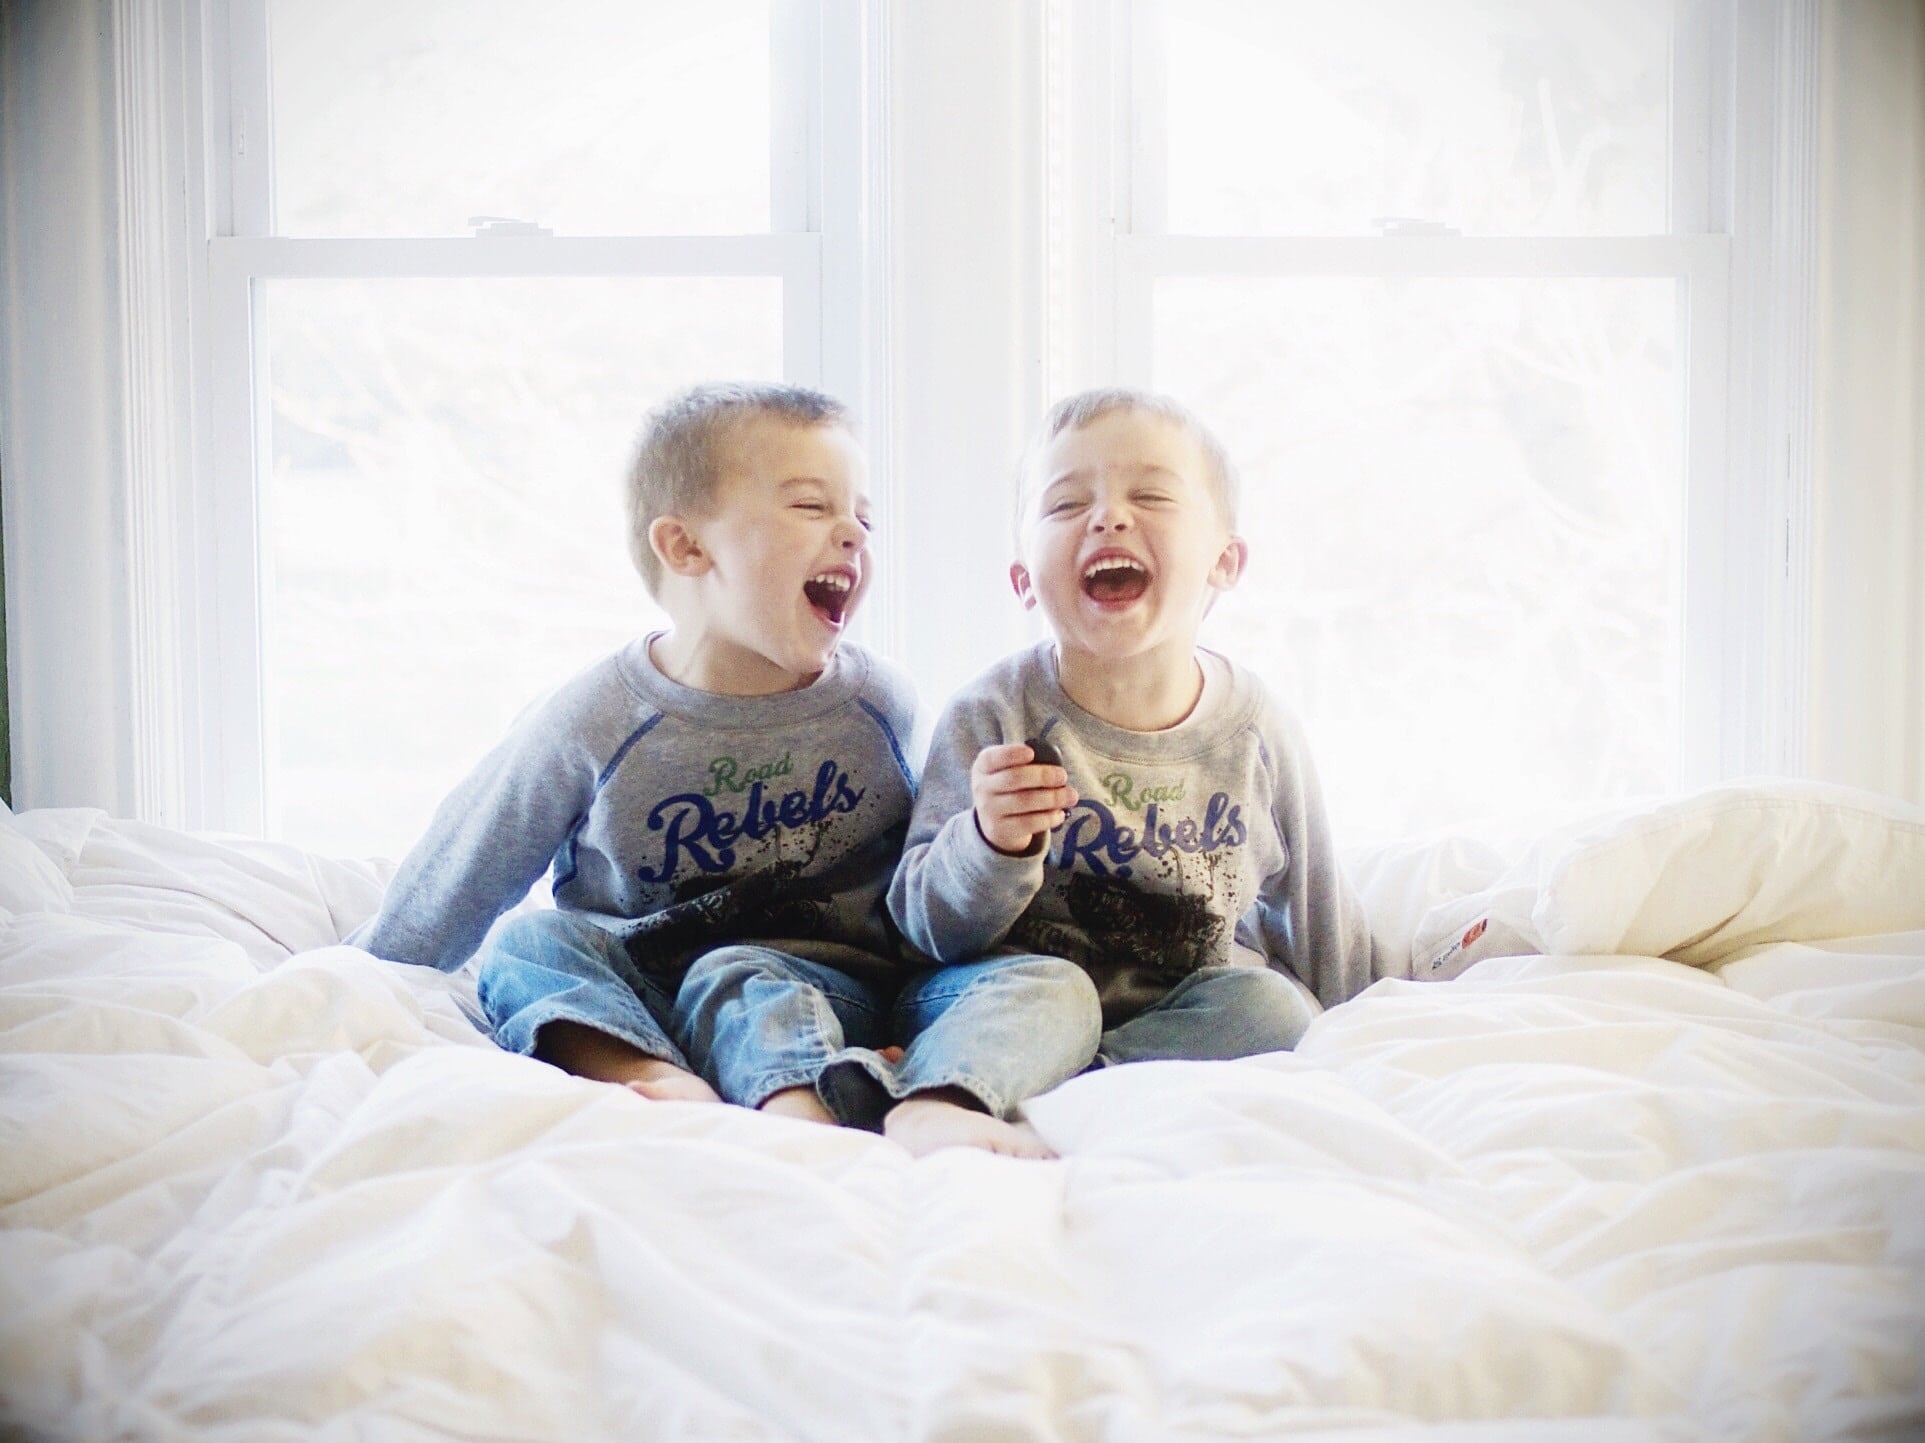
(974, 855)
(1309, 913)
(493, 836)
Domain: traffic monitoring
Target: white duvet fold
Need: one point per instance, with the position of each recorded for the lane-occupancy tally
(252, 1196)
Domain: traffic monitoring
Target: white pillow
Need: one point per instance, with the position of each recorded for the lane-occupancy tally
(29, 879)
(1405, 886)
(1747, 862)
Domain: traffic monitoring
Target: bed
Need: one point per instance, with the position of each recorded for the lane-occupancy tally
(1659, 1173)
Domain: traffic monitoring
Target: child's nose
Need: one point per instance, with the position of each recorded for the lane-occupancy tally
(1109, 516)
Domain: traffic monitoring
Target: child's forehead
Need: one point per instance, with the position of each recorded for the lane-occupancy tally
(771, 449)
(1123, 441)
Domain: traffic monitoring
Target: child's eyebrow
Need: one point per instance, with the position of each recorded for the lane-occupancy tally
(860, 505)
(1141, 468)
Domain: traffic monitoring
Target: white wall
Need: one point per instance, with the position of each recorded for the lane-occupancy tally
(67, 621)
(964, 301)
(1867, 719)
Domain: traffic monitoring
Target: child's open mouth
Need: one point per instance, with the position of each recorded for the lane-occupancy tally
(1110, 580)
(829, 593)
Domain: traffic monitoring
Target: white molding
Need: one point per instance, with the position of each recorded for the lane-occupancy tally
(1866, 617)
(1087, 139)
(965, 335)
(60, 411)
(858, 301)
(1794, 252)
(1774, 199)
(157, 398)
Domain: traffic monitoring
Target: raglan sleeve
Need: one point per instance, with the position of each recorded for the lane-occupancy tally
(490, 840)
(954, 896)
(1310, 915)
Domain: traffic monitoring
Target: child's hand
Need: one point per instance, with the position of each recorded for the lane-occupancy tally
(1018, 803)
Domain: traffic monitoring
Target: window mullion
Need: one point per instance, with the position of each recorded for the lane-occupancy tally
(795, 132)
(1147, 121)
(1088, 124)
(245, 203)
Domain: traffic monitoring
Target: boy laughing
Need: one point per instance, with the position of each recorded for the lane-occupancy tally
(1118, 800)
(719, 805)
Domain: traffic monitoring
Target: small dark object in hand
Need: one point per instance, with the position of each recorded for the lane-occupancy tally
(1045, 756)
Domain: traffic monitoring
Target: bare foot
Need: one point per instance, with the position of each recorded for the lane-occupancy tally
(924, 1123)
(589, 1052)
(665, 1082)
(890, 1055)
(799, 1102)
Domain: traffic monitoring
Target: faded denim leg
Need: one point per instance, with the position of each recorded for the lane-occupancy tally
(1215, 1013)
(758, 1021)
(1001, 1030)
(559, 966)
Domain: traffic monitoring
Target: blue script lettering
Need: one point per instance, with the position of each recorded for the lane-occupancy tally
(1093, 835)
(695, 830)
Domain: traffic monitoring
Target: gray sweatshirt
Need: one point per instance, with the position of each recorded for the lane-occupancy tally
(683, 819)
(1201, 846)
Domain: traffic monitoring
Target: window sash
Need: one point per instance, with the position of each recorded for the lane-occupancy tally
(821, 56)
(1744, 559)
(1704, 46)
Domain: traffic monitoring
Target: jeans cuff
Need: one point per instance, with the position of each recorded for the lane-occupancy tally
(525, 1027)
(990, 1097)
(765, 1085)
(857, 1087)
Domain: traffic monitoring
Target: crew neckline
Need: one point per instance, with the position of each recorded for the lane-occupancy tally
(839, 682)
(1225, 706)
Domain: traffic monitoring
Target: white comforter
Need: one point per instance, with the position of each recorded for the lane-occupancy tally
(259, 1187)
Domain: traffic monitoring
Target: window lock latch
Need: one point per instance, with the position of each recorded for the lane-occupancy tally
(1390, 226)
(490, 225)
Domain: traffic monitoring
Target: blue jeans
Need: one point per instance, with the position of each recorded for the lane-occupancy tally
(556, 966)
(1215, 1013)
(1001, 1030)
(759, 1021)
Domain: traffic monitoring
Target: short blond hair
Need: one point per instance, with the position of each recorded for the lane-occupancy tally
(1072, 413)
(679, 458)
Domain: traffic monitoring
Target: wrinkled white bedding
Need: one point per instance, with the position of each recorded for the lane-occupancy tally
(257, 1187)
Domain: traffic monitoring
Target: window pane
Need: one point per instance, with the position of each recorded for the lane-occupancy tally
(1529, 117)
(1464, 501)
(443, 518)
(592, 117)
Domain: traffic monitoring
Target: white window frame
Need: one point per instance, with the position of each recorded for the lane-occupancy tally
(1741, 227)
(968, 262)
(206, 754)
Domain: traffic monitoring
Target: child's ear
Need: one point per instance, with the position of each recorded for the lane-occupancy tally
(1229, 565)
(676, 547)
(1019, 579)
